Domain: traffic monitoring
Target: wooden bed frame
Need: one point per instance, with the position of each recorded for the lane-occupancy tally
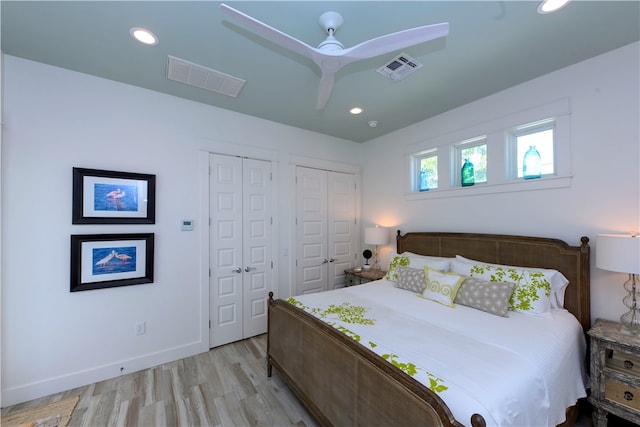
(342, 383)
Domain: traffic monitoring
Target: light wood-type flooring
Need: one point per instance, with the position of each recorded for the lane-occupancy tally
(227, 386)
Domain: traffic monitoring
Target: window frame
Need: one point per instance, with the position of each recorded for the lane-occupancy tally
(499, 175)
(458, 162)
(512, 136)
(416, 161)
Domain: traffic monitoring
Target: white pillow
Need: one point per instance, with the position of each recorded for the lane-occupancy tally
(433, 258)
(558, 282)
(403, 260)
(441, 287)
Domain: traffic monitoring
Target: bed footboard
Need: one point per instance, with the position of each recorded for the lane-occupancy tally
(341, 382)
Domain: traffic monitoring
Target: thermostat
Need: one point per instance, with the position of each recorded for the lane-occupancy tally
(186, 224)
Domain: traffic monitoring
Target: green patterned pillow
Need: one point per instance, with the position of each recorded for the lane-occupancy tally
(396, 261)
(441, 287)
(410, 279)
(558, 281)
(532, 289)
(414, 261)
(492, 297)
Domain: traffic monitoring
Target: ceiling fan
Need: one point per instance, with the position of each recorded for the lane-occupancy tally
(331, 55)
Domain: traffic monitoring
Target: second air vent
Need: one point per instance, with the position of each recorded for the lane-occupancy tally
(399, 67)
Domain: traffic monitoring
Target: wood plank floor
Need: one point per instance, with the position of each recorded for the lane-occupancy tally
(227, 386)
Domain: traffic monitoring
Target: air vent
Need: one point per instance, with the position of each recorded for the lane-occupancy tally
(399, 67)
(205, 78)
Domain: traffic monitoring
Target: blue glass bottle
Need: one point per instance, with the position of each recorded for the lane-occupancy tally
(531, 165)
(468, 174)
(423, 183)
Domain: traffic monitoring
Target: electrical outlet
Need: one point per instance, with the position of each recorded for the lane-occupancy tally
(140, 328)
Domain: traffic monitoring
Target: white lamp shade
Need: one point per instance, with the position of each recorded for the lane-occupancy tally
(376, 236)
(618, 252)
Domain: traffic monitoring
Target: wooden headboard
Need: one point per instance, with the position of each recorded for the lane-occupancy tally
(572, 261)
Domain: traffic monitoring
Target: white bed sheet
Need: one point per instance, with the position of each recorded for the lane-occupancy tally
(517, 371)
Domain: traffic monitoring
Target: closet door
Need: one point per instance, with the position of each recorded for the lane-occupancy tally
(225, 281)
(257, 238)
(240, 252)
(311, 230)
(325, 228)
(341, 215)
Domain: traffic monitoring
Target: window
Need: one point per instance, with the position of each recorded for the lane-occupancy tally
(497, 150)
(528, 140)
(471, 155)
(426, 171)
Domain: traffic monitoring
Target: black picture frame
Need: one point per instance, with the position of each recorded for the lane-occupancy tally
(109, 260)
(111, 197)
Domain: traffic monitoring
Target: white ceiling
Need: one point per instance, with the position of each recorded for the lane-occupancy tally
(491, 46)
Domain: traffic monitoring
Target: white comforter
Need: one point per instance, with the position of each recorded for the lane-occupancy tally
(517, 371)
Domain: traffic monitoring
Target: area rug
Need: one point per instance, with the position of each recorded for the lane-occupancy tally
(54, 414)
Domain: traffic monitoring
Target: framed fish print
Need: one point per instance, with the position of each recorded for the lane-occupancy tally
(110, 197)
(108, 260)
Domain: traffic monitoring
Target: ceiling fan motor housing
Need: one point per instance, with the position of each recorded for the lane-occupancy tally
(330, 21)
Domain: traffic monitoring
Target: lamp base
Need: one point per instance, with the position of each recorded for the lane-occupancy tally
(375, 266)
(630, 330)
(631, 319)
(631, 322)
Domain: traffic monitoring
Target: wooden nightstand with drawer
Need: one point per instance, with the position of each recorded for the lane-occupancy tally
(615, 373)
(352, 277)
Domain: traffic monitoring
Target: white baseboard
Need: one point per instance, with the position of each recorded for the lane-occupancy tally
(35, 390)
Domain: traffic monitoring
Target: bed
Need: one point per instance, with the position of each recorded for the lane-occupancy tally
(345, 382)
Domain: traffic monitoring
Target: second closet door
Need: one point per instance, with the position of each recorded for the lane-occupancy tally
(240, 236)
(325, 228)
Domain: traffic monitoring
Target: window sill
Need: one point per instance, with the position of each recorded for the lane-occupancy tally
(479, 189)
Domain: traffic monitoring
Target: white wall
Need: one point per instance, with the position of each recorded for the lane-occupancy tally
(54, 119)
(604, 195)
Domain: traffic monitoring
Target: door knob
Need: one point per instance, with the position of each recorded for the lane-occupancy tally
(237, 270)
(324, 261)
(331, 259)
(248, 269)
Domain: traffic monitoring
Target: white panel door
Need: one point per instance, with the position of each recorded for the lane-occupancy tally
(325, 230)
(311, 230)
(225, 283)
(240, 252)
(341, 216)
(257, 245)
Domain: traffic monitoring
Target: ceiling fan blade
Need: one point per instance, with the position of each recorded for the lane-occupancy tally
(269, 32)
(324, 89)
(394, 42)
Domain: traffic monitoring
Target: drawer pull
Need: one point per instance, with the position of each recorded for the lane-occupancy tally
(628, 396)
(628, 364)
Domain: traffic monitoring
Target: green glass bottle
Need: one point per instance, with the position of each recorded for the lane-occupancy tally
(468, 174)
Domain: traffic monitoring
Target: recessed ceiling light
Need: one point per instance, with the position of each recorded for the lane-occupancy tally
(548, 6)
(144, 36)
(356, 110)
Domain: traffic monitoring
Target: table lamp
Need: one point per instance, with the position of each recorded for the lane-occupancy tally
(621, 253)
(376, 236)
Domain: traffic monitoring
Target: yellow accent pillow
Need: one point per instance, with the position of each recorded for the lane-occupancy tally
(441, 287)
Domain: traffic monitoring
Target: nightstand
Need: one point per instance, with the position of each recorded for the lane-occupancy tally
(352, 278)
(615, 373)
